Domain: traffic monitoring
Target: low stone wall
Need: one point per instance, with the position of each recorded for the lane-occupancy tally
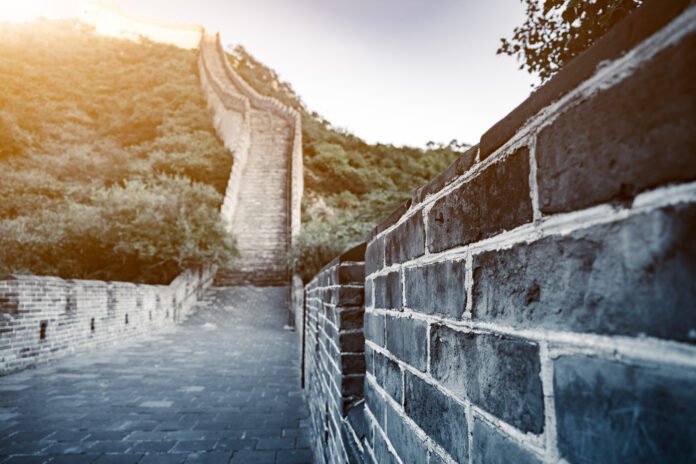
(334, 361)
(44, 318)
(535, 301)
(231, 120)
(110, 20)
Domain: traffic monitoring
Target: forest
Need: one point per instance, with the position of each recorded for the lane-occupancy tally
(110, 168)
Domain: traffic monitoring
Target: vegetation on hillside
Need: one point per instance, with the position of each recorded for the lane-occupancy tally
(556, 31)
(350, 185)
(109, 165)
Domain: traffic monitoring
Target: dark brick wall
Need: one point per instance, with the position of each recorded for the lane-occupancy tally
(334, 358)
(536, 302)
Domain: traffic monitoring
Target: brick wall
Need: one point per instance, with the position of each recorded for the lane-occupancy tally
(334, 362)
(536, 302)
(44, 318)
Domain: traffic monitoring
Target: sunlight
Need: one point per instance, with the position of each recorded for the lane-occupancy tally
(29, 10)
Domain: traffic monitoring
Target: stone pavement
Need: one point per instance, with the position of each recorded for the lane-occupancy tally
(223, 387)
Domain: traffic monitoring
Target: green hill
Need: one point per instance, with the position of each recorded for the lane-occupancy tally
(109, 165)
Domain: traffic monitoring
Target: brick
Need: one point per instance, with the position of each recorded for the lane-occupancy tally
(375, 403)
(440, 416)
(352, 342)
(352, 363)
(348, 296)
(437, 288)
(351, 274)
(496, 200)
(387, 290)
(490, 446)
(609, 411)
(498, 373)
(636, 135)
(407, 340)
(349, 318)
(406, 241)
(630, 277)
(374, 256)
(403, 438)
(636, 27)
(389, 376)
(382, 452)
(375, 328)
(369, 300)
(451, 172)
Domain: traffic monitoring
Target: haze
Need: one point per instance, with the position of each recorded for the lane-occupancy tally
(393, 71)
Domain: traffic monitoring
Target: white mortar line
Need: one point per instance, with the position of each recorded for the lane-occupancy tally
(550, 432)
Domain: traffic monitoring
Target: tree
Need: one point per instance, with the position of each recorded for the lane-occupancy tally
(556, 31)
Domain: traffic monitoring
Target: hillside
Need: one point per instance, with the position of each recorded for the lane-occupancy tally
(349, 184)
(109, 166)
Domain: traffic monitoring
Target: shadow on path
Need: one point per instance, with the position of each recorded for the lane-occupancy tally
(223, 387)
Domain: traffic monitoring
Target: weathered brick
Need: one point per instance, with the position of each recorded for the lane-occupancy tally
(490, 446)
(351, 274)
(369, 300)
(496, 200)
(348, 296)
(441, 417)
(382, 452)
(403, 438)
(608, 411)
(451, 172)
(406, 241)
(498, 373)
(436, 288)
(388, 291)
(389, 376)
(352, 342)
(636, 135)
(350, 317)
(629, 277)
(407, 340)
(353, 363)
(375, 403)
(374, 256)
(375, 328)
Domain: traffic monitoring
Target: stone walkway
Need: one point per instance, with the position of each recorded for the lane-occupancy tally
(221, 388)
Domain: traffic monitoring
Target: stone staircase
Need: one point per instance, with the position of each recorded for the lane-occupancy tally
(260, 221)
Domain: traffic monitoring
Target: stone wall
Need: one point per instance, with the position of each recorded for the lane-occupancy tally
(536, 302)
(334, 361)
(110, 20)
(44, 318)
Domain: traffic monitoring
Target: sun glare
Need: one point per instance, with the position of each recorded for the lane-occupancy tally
(29, 10)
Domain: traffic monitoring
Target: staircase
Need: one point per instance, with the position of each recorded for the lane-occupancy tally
(260, 221)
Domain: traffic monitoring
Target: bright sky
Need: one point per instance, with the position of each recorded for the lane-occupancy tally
(391, 71)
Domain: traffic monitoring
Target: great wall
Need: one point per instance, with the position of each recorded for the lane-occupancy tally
(534, 303)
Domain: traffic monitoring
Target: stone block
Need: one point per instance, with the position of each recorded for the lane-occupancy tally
(436, 288)
(491, 446)
(403, 438)
(496, 200)
(374, 256)
(440, 416)
(498, 373)
(375, 328)
(636, 135)
(389, 376)
(407, 339)
(609, 411)
(406, 241)
(627, 278)
(388, 291)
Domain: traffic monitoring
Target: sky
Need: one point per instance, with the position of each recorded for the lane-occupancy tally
(403, 72)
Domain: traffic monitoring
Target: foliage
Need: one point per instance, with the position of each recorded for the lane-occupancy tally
(350, 185)
(109, 166)
(556, 31)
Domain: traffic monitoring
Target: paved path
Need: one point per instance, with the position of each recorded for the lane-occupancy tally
(221, 388)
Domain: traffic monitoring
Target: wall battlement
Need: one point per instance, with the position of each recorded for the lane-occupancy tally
(535, 301)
